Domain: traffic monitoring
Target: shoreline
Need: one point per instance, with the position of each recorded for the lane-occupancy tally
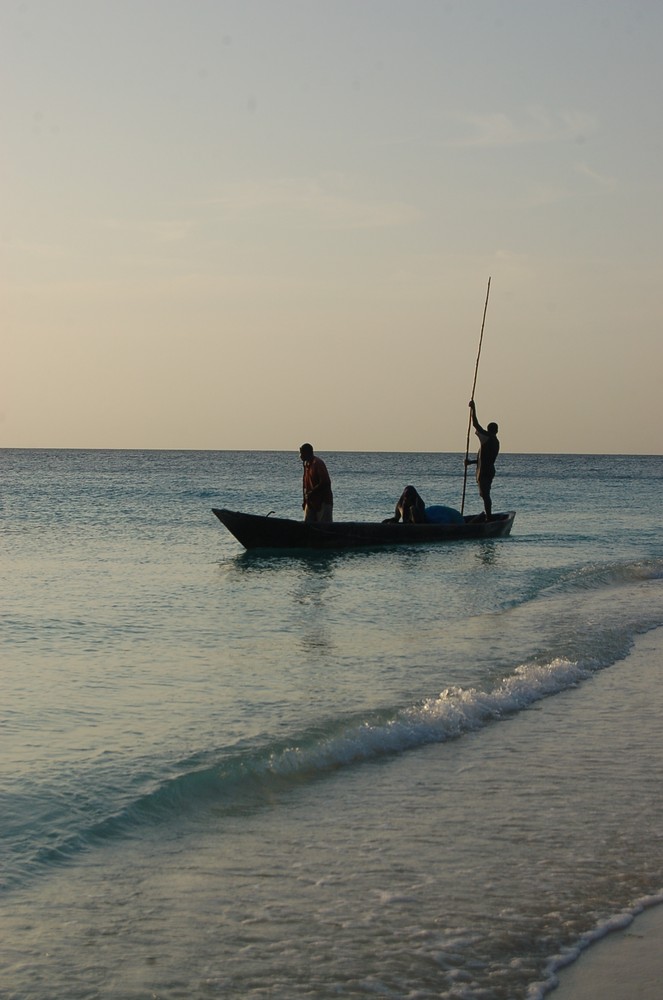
(623, 956)
(626, 962)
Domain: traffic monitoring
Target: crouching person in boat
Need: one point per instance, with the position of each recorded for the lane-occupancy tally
(410, 508)
(318, 502)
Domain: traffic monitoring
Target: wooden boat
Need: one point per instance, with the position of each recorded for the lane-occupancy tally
(256, 531)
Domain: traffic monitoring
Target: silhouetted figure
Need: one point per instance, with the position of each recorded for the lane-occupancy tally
(410, 507)
(318, 502)
(485, 460)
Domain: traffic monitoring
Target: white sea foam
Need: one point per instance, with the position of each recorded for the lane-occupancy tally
(185, 730)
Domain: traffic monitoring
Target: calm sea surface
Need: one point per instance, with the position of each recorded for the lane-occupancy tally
(417, 773)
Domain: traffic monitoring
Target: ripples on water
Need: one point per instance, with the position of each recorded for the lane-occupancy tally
(395, 773)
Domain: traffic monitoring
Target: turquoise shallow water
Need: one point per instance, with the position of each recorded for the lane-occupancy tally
(415, 773)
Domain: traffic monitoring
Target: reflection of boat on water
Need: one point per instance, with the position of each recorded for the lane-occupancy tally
(257, 531)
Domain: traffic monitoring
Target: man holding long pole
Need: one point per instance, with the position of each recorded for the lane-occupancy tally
(474, 385)
(485, 461)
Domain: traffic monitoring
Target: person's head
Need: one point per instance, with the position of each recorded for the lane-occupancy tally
(306, 452)
(492, 427)
(410, 495)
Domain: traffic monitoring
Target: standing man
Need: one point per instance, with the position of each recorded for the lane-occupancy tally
(485, 460)
(318, 503)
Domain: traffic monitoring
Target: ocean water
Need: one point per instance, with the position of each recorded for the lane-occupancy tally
(415, 773)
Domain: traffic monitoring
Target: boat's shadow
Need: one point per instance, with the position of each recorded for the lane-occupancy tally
(319, 561)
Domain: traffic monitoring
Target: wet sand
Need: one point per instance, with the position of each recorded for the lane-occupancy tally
(625, 965)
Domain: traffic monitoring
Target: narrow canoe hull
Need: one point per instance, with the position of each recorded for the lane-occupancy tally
(256, 531)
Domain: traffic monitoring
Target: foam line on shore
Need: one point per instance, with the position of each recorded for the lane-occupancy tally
(625, 958)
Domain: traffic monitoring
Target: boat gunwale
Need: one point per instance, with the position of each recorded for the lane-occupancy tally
(302, 535)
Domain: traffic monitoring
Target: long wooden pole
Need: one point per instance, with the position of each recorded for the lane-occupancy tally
(474, 385)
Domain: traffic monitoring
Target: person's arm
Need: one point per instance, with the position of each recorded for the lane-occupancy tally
(475, 423)
(397, 514)
(472, 461)
(319, 477)
(309, 481)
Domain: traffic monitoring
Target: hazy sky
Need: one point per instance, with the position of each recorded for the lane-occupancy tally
(249, 224)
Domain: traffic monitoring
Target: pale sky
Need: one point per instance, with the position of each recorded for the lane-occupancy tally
(250, 224)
